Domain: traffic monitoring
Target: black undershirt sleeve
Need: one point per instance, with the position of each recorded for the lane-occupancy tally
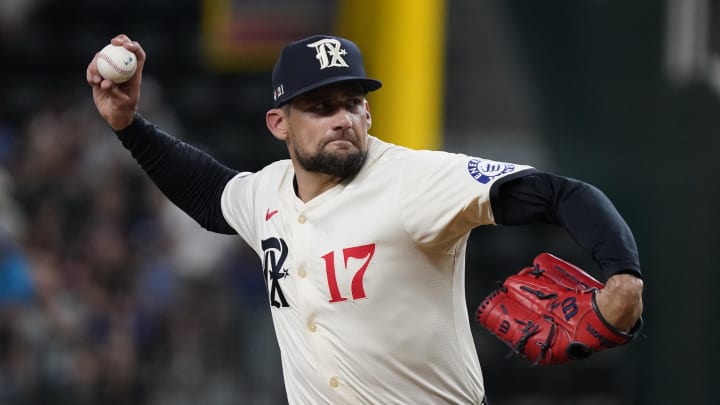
(188, 177)
(585, 212)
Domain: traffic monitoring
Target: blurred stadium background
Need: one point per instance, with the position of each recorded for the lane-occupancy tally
(109, 295)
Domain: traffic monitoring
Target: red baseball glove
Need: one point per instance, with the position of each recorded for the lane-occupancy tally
(547, 313)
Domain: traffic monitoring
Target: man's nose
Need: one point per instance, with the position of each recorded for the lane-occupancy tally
(341, 119)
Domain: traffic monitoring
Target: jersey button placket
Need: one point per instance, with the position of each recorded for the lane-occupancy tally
(302, 272)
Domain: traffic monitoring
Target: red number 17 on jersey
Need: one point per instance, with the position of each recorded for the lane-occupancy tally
(356, 252)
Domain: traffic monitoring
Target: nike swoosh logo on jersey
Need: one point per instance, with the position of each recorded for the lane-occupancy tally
(269, 214)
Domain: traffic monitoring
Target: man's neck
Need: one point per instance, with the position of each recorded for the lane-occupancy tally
(309, 185)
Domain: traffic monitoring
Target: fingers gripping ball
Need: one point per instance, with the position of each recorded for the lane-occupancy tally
(547, 313)
(116, 63)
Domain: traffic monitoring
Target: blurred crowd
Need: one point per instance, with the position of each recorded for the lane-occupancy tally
(109, 294)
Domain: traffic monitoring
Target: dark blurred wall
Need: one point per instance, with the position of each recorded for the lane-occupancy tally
(604, 108)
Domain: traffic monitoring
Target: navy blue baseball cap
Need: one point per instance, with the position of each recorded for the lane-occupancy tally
(317, 61)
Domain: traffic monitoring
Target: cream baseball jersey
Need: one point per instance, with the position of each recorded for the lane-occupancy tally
(366, 281)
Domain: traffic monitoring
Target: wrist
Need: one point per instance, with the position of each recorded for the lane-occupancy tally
(120, 126)
(620, 302)
(626, 285)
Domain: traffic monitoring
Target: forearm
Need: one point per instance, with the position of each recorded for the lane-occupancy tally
(190, 178)
(592, 220)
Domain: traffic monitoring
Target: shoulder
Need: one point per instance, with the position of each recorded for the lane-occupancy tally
(269, 176)
(386, 151)
(433, 163)
(277, 168)
(421, 159)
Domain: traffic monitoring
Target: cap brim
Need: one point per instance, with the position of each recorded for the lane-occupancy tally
(368, 85)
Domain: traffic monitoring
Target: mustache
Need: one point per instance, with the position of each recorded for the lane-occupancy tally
(347, 135)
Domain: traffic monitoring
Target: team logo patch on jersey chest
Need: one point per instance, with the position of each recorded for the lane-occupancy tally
(483, 170)
(275, 252)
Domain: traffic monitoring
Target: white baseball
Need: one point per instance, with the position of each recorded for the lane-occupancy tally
(116, 63)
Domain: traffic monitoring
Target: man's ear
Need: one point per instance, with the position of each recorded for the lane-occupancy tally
(368, 117)
(276, 121)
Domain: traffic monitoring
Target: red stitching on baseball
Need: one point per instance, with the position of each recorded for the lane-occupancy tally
(114, 65)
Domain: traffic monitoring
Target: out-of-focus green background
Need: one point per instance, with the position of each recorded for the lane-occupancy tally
(109, 295)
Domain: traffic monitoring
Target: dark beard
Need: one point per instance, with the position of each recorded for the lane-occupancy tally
(338, 165)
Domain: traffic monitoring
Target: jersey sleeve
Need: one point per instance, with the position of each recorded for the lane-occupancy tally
(443, 196)
(237, 204)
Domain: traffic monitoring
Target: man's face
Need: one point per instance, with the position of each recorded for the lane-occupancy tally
(327, 129)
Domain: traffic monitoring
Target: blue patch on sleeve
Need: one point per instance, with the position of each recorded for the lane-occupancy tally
(483, 170)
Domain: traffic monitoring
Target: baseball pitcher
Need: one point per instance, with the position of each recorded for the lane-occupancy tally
(362, 242)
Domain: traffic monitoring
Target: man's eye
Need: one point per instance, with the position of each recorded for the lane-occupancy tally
(354, 104)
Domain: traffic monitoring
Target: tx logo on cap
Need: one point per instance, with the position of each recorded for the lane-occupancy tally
(329, 47)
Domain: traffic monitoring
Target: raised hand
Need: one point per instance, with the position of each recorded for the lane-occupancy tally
(117, 103)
